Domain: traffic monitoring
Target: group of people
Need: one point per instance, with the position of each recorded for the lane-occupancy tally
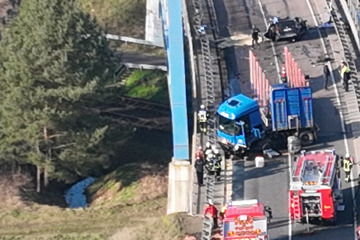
(213, 159)
(344, 73)
(212, 212)
(210, 158)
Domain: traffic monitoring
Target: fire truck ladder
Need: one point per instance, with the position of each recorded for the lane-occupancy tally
(297, 209)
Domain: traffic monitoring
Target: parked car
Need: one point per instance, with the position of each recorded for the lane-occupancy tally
(286, 28)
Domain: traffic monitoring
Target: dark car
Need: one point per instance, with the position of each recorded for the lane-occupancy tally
(290, 29)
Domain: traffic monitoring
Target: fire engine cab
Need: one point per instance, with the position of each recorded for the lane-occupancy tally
(315, 186)
(245, 219)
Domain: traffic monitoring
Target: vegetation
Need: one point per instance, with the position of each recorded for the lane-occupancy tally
(55, 70)
(151, 85)
(90, 223)
(117, 15)
(55, 64)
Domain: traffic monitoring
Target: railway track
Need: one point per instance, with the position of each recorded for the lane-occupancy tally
(136, 112)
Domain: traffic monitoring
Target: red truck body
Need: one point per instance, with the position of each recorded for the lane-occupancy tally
(245, 220)
(314, 185)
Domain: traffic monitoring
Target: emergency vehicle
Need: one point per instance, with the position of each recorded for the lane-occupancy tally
(315, 187)
(245, 219)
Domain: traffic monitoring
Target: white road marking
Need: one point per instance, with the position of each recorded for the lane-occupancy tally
(272, 44)
(339, 109)
(289, 220)
(279, 79)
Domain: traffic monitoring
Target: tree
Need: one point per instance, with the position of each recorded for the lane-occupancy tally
(55, 62)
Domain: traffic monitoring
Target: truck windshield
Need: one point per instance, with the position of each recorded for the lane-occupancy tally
(228, 126)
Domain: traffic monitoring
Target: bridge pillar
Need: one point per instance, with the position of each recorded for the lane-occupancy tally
(179, 186)
(180, 167)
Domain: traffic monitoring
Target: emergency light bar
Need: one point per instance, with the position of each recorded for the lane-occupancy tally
(245, 202)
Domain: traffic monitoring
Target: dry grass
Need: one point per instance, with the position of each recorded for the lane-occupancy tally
(140, 217)
(134, 183)
(11, 188)
(44, 221)
(123, 17)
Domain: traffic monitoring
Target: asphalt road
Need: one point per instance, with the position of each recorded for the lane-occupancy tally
(270, 184)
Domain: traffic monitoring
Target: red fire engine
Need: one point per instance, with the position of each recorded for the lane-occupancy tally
(315, 186)
(245, 219)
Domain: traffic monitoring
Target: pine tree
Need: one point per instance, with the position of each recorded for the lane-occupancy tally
(55, 62)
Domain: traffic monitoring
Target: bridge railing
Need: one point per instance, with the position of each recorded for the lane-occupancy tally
(206, 69)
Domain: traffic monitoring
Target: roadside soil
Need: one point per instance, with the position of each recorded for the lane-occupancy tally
(8, 9)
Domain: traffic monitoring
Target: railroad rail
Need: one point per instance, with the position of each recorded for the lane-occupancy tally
(136, 112)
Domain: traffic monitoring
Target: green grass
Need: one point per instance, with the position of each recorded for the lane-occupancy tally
(120, 184)
(146, 84)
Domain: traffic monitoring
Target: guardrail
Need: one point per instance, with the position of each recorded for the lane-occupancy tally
(208, 80)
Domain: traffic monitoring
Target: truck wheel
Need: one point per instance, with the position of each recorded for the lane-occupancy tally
(306, 138)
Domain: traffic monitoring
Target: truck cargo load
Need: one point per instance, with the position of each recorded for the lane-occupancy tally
(291, 108)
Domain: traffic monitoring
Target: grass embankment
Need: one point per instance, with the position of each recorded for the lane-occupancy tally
(128, 203)
(125, 222)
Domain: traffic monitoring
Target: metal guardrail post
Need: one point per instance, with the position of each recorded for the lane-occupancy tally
(210, 101)
(345, 43)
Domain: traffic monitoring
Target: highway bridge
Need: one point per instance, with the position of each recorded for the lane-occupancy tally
(336, 111)
(218, 67)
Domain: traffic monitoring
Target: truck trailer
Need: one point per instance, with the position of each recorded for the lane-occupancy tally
(315, 187)
(243, 125)
(245, 219)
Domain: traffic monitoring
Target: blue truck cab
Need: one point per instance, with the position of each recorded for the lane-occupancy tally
(241, 122)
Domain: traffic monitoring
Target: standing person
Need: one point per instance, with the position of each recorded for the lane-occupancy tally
(347, 166)
(203, 118)
(224, 209)
(275, 20)
(207, 148)
(212, 212)
(202, 30)
(199, 153)
(199, 167)
(255, 37)
(345, 75)
(326, 72)
(268, 210)
(217, 163)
